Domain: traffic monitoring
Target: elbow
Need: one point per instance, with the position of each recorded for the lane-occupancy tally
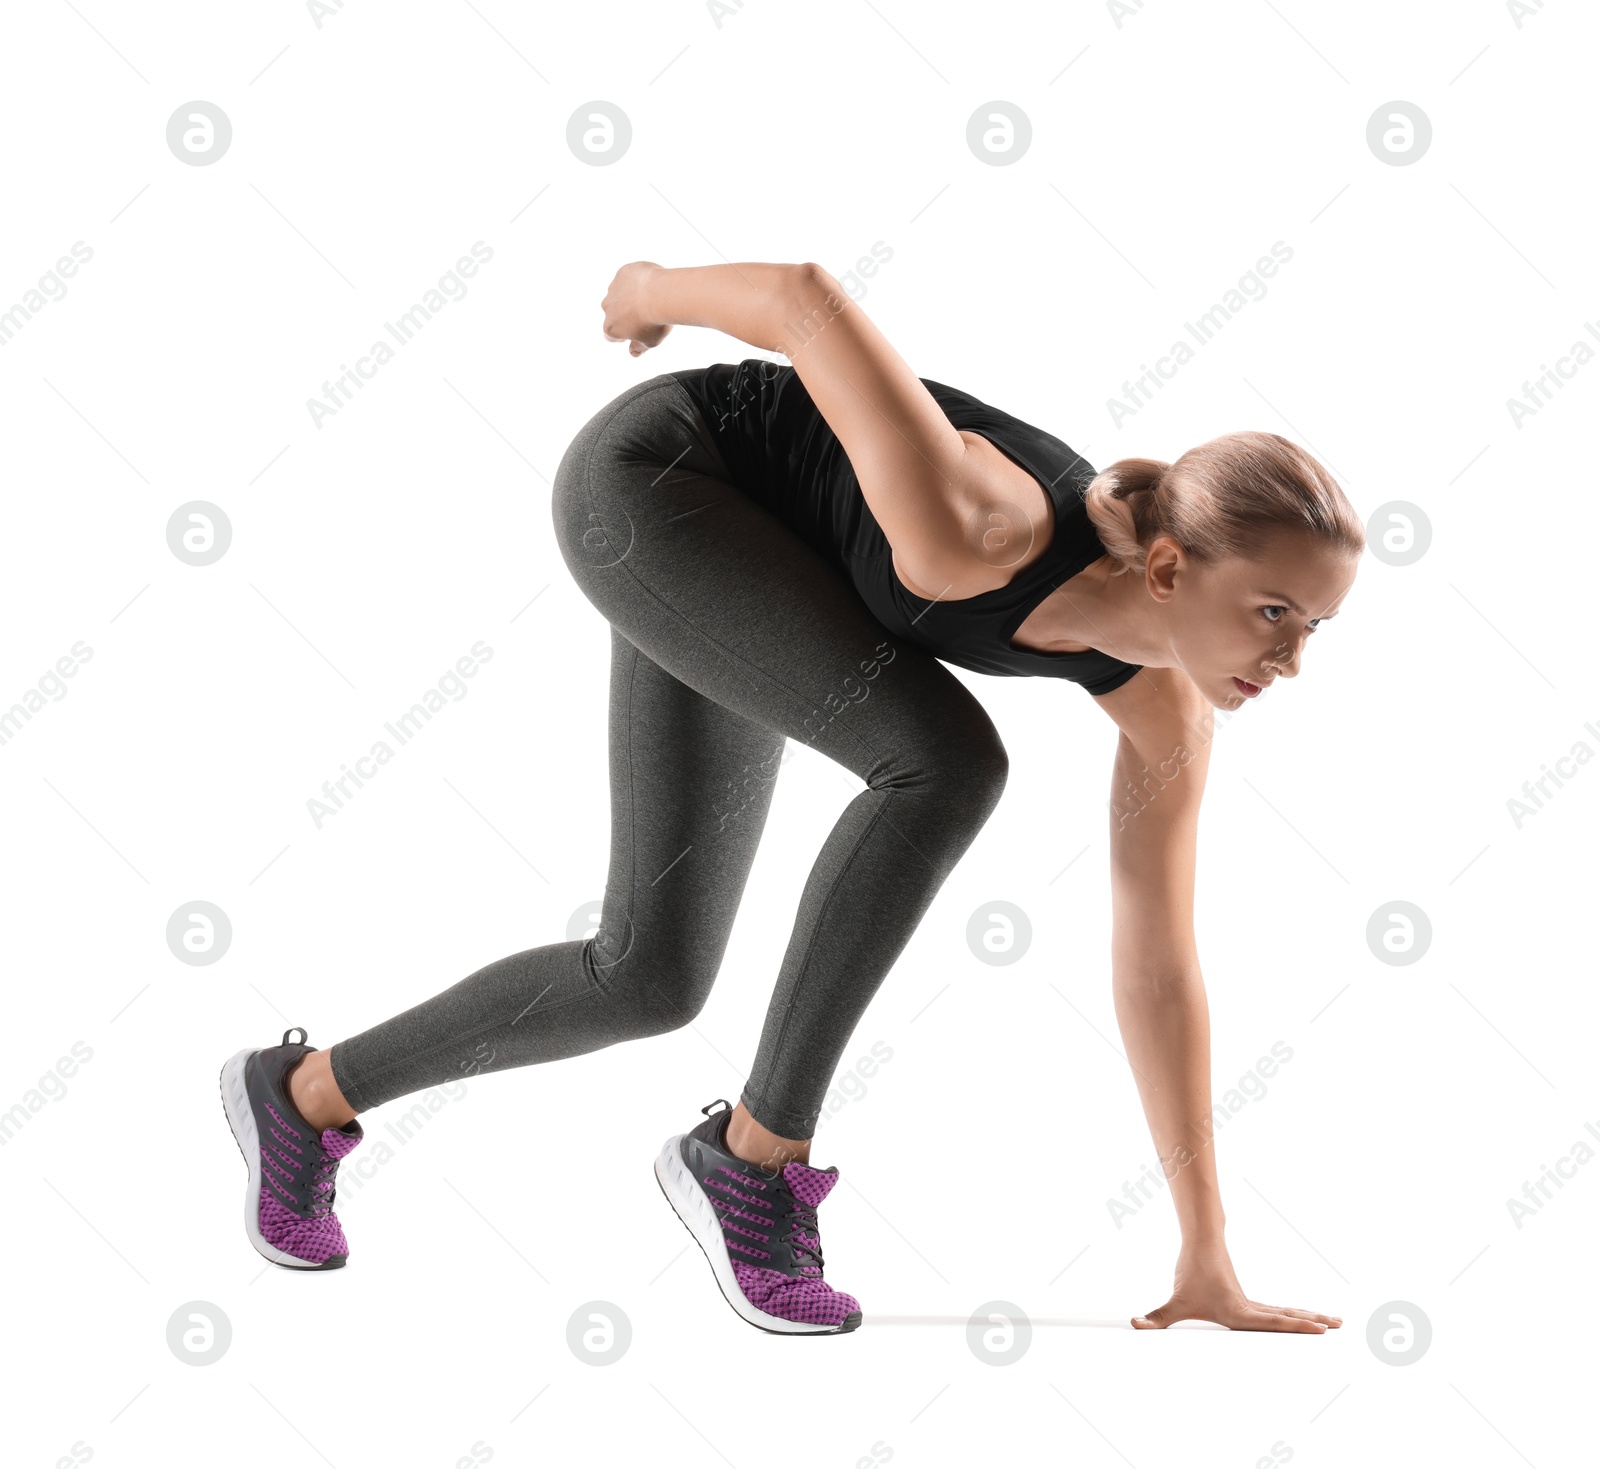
(813, 290)
(809, 278)
(809, 298)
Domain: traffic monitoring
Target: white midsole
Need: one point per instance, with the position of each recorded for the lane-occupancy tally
(236, 1102)
(694, 1208)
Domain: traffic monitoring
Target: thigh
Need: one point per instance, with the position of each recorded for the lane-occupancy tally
(733, 603)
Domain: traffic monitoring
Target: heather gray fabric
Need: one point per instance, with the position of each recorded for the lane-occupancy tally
(729, 634)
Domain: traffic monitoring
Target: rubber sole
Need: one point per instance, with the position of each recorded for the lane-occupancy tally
(236, 1104)
(691, 1206)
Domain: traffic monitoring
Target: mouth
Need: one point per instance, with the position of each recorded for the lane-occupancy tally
(1248, 689)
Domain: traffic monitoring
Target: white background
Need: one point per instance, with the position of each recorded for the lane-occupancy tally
(1168, 154)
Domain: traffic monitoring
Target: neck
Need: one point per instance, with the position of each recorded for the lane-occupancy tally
(1112, 613)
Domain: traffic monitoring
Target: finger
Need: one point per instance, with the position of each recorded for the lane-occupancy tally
(1252, 1316)
(1303, 1315)
(1158, 1319)
(1270, 1321)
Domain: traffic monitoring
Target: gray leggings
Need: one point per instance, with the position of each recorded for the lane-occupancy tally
(729, 635)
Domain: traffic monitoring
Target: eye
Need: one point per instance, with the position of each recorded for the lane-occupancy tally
(1311, 626)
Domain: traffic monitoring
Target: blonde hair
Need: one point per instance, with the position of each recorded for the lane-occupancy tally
(1225, 497)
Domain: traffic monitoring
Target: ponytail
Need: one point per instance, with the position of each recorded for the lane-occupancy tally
(1223, 498)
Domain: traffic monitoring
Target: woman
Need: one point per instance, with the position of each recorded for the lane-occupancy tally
(787, 553)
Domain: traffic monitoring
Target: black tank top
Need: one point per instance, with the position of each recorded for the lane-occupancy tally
(782, 454)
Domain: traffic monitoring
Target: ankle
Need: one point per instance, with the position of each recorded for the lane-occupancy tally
(750, 1142)
(314, 1094)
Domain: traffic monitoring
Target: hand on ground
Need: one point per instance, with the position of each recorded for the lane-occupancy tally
(1206, 1289)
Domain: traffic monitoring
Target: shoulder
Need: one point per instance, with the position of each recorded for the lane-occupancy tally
(1158, 708)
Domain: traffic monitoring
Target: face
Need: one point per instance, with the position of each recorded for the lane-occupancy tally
(1238, 626)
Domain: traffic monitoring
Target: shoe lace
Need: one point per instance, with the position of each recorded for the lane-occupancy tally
(321, 1186)
(802, 1224)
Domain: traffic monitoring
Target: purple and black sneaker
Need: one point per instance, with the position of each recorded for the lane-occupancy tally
(288, 1201)
(757, 1228)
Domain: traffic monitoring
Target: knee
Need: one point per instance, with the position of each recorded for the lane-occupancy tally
(652, 994)
(980, 770)
(962, 770)
(971, 766)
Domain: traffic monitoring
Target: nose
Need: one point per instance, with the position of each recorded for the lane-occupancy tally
(1286, 658)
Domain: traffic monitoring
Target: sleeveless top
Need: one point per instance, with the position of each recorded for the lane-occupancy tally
(781, 453)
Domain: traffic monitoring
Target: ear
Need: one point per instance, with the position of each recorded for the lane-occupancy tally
(1165, 561)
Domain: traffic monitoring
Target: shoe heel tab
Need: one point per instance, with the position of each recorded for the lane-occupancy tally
(304, 1038)
(706, 1111)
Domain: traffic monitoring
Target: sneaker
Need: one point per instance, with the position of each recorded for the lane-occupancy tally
(757, 1228)
(288, 1201)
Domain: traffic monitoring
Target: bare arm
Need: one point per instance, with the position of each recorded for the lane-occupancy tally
(921, 482)
(746, 301)
(1157, 784)
(1163, 753)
